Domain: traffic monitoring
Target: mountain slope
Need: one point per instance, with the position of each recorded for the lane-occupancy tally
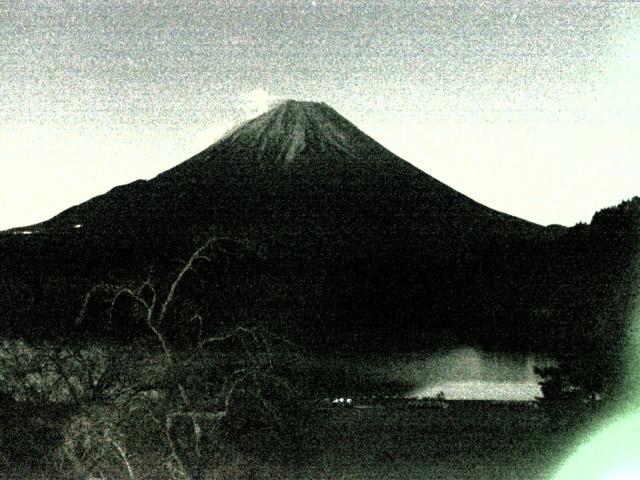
(359, 247)
(300, 167)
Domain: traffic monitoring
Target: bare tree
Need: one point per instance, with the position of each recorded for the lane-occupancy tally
(183, 420)
(80, 379)
(115, 394)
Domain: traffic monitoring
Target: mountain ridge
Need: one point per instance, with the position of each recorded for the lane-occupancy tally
(297, 139)
(348, 245)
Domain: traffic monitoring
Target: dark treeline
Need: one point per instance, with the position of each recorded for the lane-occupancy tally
(334, 242)
(564, 292)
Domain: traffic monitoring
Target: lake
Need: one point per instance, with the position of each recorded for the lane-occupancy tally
(464, 374)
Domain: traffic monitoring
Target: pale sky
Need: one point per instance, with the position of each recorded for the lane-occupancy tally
(530, 107)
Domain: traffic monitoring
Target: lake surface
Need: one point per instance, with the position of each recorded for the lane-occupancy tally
(466, 374)
(465, 442)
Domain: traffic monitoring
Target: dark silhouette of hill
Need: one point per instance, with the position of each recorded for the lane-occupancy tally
(345, 246)
(297, 177)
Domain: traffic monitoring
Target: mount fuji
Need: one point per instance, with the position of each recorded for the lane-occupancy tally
(354, 246)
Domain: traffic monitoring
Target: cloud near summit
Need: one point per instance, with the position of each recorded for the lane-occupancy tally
(257, 101)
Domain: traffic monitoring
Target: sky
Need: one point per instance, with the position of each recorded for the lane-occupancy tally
(529, 107)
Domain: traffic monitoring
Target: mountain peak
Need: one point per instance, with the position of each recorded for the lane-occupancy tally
(291, 104)
(301, 110)
(292, 127)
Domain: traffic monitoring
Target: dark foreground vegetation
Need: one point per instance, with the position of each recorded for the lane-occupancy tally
(120, 413)
(190, 395)
(89, 411)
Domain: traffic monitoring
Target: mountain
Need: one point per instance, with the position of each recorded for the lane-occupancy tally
(351, 246)
(288, 175)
